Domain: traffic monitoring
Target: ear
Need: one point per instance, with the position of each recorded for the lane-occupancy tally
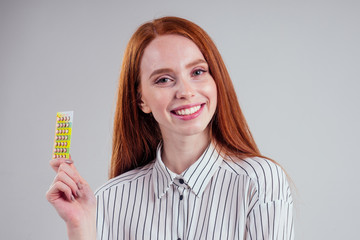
(141, 103)
(144, 107)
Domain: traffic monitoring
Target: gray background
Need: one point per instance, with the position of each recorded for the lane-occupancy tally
(294, 64)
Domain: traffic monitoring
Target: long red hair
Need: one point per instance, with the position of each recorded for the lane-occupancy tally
(137, 135)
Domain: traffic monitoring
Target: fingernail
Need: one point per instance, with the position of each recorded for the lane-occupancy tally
(72, 198)
(69, 161)
(79, 185)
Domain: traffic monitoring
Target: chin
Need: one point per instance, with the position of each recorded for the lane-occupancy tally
(190, 131)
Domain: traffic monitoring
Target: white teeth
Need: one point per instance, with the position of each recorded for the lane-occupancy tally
(188, 111)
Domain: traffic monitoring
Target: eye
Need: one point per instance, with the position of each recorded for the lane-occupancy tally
(162, 80)
(198, 72)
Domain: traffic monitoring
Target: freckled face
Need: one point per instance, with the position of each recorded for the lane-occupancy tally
(176, 86)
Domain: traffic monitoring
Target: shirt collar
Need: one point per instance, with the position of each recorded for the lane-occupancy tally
(197, 176)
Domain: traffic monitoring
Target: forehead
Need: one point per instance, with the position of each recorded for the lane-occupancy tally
(169, 51)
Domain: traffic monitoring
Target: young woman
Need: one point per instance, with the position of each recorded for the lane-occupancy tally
(184, 163)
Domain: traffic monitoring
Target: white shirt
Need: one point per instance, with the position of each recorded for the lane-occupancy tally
(215, 198)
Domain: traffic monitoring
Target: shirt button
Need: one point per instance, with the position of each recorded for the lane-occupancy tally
(181, 197)
(181, 180)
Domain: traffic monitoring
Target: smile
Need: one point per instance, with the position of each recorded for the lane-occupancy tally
(187, 111)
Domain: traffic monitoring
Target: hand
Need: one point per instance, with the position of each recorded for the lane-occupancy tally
(73, 199)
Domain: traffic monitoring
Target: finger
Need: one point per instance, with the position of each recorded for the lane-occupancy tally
(57, 190)
(73, 173)
(82, 180)
(56, 162)
(67, 180)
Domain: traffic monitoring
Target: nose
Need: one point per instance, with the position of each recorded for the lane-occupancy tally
(185, 89)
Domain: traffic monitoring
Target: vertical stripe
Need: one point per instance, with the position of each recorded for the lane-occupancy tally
(221, 199)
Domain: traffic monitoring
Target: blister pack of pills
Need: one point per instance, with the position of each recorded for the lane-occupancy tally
(63, 130)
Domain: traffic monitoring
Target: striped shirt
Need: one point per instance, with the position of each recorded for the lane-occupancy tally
(215, 198)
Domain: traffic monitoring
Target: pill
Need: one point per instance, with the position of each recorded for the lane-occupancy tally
(63, 130)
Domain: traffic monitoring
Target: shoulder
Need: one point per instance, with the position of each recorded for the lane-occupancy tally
(255, 168)
(268, 177)
(126, 178)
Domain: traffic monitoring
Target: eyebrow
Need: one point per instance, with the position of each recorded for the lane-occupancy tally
(165, 70)
(195, 63)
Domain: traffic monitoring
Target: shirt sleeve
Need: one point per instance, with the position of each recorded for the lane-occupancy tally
(271, 221)
(271, 214)
(102, 219)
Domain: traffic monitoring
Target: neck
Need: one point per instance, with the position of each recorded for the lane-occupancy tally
(179, 153)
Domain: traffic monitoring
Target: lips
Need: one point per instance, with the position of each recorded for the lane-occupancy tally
(187, 110)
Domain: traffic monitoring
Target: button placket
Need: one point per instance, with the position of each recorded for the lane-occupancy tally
(183, 191)
(182, 212)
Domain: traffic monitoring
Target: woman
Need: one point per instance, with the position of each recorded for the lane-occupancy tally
(184, 163)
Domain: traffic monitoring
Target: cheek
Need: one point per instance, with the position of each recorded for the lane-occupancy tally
(157, 101)
(211, 92)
